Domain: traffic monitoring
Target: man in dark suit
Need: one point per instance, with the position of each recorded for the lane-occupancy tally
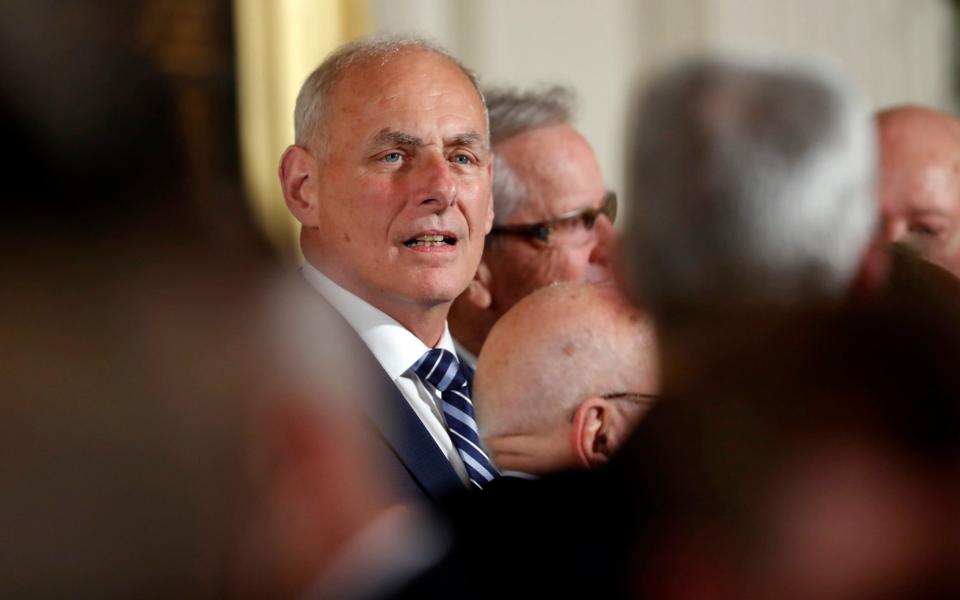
(390, 178)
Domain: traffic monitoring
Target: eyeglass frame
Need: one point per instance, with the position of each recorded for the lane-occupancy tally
(636, 397)
(644, 400)
(541, 230)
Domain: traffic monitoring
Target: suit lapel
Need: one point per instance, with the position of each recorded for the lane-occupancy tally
(401, 429)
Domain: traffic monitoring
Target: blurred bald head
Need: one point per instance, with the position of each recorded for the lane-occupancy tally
(920, 181)
(563, 377)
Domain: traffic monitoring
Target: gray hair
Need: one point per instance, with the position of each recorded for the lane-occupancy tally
(752, 184)
(512, 113)
(317, 89)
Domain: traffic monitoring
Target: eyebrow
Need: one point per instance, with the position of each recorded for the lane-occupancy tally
(927, 212)
(386, 137)
(471, 138)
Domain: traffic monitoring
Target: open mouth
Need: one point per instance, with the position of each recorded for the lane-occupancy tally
(431, 241)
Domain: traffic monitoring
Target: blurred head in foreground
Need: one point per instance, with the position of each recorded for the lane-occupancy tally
(563, 378)
(920, 182)
(826, 471)
(751, 187)
(183, 431)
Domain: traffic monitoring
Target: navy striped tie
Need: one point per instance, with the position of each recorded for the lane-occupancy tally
(441, 369)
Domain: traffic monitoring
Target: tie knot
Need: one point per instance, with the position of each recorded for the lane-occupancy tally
(440, 368)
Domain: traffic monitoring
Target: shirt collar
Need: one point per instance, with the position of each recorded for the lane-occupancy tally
(392, 344)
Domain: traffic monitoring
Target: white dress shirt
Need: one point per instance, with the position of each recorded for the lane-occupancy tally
(396, 349)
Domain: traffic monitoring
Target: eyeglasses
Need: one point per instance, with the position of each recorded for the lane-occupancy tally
(645, 399)
(573, 228)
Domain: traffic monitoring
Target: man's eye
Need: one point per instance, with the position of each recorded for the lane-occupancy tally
(924, 230)
(461, 159)
(392, 157)
(584, 221)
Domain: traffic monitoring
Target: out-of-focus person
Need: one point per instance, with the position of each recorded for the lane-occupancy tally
(191, 429)
(827, 473)
(920, 181)
(175, 422)
(389, 177)
(563, 379)
(752, 188)
(553, 217)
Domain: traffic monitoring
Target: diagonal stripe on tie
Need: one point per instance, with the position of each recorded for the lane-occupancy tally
(462, 417)
(441, 369)
(475, 449)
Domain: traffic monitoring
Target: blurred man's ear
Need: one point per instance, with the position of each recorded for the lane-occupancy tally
(478, 292)
(591, 432)
(298, 179)
(490, 216)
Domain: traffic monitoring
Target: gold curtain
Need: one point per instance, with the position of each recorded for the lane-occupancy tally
(278, 43)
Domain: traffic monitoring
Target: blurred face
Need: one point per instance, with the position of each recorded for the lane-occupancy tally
(920, 192)
(404, 183)
(561, 175)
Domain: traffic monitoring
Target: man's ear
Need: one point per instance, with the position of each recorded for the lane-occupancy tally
(489, 224)
(591, 432)
(298, 179)
(478, 292)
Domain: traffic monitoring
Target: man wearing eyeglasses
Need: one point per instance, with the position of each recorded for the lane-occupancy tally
(553, 218)
(563, 378)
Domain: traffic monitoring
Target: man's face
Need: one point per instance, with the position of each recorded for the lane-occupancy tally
(920, 193)
(404, 182)
(560, 174)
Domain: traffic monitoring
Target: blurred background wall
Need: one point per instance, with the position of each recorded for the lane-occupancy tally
(895, 50)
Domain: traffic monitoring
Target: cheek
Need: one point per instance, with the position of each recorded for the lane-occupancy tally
(374, 208)
(478, 209)
(566, 265)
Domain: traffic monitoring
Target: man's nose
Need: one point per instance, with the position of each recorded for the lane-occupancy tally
(894, 228)
(435, 183)
(606, 239)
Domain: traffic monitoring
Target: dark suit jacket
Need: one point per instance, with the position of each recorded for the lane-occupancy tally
(414, 464)
(411, 457)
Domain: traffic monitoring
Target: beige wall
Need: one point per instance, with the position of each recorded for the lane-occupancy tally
(897, 50)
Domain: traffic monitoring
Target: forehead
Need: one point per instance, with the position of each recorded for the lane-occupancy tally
(413, 90)
(558, 168)
(920, 173)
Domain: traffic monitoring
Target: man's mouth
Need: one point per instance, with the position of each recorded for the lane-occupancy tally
(431, 241)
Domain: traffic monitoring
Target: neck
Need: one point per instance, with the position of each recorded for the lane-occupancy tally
(536, 454)
(425, 320)
(425, 323)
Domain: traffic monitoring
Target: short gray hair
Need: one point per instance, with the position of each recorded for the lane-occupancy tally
(316, 91)
(751, 184)
(513, 112)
